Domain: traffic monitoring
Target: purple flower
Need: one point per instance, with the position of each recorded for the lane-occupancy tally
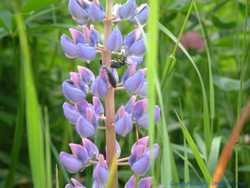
(82, 44)
(134, 43)
(131, 182)
(141, 15)
(69, 48)
(70, 162)
(139, 159)
(74, 184)
(114, 42)
(78, 10)
(71, 113)
(127, 10)
(134, 59)
(83, 11)
(80, 152)
(130, 104)
(100, 173)
(100, 85)
(129, 72)
(97, 104)
(86, 75)
(86, 125)
(77, 36)
(90, 148)
(123, 123)
(95, 11)
(143, 183)
(140, 113)
(134, 83)
(86, 52)
(72, 93)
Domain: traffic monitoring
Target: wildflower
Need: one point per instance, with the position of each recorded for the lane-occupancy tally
(143, 183)
(123, 123)
(72, 93)
(74, 184)
(127, 10)
(71, 113)
(192, 40)
(134, 43)
(141, 15)
(139, 159)
(100, 173)
(140, 114)
(115, 40)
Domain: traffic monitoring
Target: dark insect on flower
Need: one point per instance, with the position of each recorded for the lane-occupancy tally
(111, 77)
(118, 61)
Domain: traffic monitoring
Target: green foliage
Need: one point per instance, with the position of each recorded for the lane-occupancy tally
(207, 88)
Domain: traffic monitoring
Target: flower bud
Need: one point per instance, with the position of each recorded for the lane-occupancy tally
(115, 40)
(100, 173)
(123, 124)
(100, 85)
(136, 81)
(70, 162)
(69, 48)
(141, 15)
(95, 11)
(98, 105)
(86, 52)
(90, 147)
(78, 10)
(84, 128)
(130, 104)
(134, 59)
(145, 182)
(74, 184)
(129, 72)
(72, 93)
(77, 36)
(127, 10)
(71, 113)
(86, 75)
(131, 182)
(139, 160)
(134, 43)
(141, 166)
(142, 90)
(80, 152)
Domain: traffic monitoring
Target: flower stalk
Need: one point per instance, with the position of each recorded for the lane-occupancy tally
(109, 100)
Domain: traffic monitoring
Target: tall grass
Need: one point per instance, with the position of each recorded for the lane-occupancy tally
(33, 116)
(151, 62)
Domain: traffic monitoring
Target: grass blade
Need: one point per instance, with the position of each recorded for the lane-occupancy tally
(206, 120)
(152, 47)
(9, 182)
(33, 117)
(47, 150)
(195, 150)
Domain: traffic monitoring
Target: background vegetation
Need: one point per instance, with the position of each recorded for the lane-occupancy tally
(201, 93)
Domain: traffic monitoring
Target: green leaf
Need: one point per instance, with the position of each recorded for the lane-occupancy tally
(32, 5)
(33, 116)
(229, 84)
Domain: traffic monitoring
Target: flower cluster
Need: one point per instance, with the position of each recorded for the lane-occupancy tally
(85, 42)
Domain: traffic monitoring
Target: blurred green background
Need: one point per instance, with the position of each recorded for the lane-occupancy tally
(33, 66)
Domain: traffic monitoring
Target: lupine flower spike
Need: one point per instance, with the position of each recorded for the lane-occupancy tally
(84, 42)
